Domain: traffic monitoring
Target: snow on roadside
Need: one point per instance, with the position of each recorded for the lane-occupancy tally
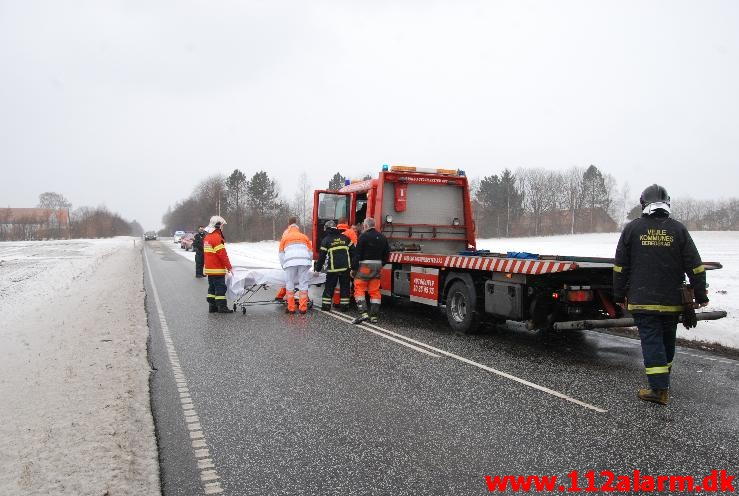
(262, 254)
(719, 246)
(74, 371)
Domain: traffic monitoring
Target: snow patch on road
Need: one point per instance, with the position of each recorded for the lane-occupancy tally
(74, 371)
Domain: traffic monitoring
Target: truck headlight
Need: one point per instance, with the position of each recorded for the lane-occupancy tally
(455, 221)
(389, 219)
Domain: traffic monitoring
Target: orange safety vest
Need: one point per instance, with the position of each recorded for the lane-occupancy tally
(215, 258)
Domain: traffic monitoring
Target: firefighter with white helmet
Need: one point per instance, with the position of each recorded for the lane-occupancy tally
(216, 265)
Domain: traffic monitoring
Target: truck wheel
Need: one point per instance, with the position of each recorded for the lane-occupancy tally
(460, 309)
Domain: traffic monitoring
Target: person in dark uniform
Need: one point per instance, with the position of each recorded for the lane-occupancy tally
(653, 255)
(371, 254)
(336, 254)
(197, 245)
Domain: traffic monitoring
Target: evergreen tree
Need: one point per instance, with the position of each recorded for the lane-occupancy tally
(336, 182)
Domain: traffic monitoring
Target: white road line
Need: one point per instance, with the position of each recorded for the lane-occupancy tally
(208, 474)
(349, 320)
(530, 384)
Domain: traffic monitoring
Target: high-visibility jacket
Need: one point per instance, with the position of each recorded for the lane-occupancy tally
(295, 248)
(348, 232)
(336, 252)
(653, 256)
(215, 258)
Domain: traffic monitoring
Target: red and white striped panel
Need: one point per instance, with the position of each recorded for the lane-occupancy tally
(492, 264)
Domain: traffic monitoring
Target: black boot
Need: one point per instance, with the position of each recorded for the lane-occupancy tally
(223, 307)
(212, 307)
(374, 313)
(326, 307)
(363, 315)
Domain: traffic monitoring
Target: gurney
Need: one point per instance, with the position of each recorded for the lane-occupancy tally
(244, 283)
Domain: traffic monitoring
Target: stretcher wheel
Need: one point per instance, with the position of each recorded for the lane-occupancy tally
(243, 311)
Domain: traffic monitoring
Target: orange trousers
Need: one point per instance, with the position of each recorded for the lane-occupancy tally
(362, 286)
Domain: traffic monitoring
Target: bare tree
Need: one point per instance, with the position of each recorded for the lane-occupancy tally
(573, 193)
(53, 200)
(303, 201)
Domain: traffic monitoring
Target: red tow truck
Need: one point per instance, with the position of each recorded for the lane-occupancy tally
(426, 215)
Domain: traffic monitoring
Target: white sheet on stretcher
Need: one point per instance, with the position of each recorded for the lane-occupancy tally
(241, 279)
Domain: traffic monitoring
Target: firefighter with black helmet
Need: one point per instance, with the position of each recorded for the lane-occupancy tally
(336, 259)
(653, 255)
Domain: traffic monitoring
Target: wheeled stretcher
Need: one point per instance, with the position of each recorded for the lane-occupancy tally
(244, 283)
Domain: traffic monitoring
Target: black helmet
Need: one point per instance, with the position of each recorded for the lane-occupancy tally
(654, 194)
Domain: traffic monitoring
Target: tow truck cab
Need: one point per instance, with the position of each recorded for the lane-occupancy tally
(418, 210)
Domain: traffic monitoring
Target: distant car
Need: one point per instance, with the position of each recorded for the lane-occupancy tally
(186, 241)
(150, 235)
(178, 236)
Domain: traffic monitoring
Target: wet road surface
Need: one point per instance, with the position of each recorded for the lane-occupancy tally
(269, 403)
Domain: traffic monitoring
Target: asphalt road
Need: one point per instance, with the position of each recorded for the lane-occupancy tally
(269, 403)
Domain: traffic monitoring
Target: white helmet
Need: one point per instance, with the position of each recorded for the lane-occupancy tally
(216, 222)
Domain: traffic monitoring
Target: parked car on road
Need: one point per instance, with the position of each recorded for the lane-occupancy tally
(186, 241)
(178, 236)
(150, 235)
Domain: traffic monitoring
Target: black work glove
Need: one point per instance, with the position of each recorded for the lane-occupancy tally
(689, 319)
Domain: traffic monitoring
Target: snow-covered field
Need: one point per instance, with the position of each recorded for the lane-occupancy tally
(722, 246)
(74, 395)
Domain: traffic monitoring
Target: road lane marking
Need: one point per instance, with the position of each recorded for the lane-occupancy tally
(198, 441)
(500, 373)
(348, 320)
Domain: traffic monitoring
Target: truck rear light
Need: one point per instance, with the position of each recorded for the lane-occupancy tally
(580, 296)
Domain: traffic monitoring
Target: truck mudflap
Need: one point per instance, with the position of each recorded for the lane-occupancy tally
(624, 322)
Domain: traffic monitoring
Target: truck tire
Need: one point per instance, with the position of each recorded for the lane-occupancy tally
(461, 309)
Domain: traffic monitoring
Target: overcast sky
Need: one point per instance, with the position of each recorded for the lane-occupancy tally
(130, 104)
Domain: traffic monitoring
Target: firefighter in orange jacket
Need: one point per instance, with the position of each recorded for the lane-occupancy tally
(282, 291)
(217, 265)
(296, 258)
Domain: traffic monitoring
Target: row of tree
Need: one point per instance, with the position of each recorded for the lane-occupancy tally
(54, 218)
(537, 201)
(251, 206)
(524, 202)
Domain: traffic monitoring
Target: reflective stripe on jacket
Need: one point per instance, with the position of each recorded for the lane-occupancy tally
(215, 258)
(295, 248)
(336, 252)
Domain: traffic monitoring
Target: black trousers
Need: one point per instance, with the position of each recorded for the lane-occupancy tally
(657, 333)
(332, 278)
(216, 289)
(199, 263)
